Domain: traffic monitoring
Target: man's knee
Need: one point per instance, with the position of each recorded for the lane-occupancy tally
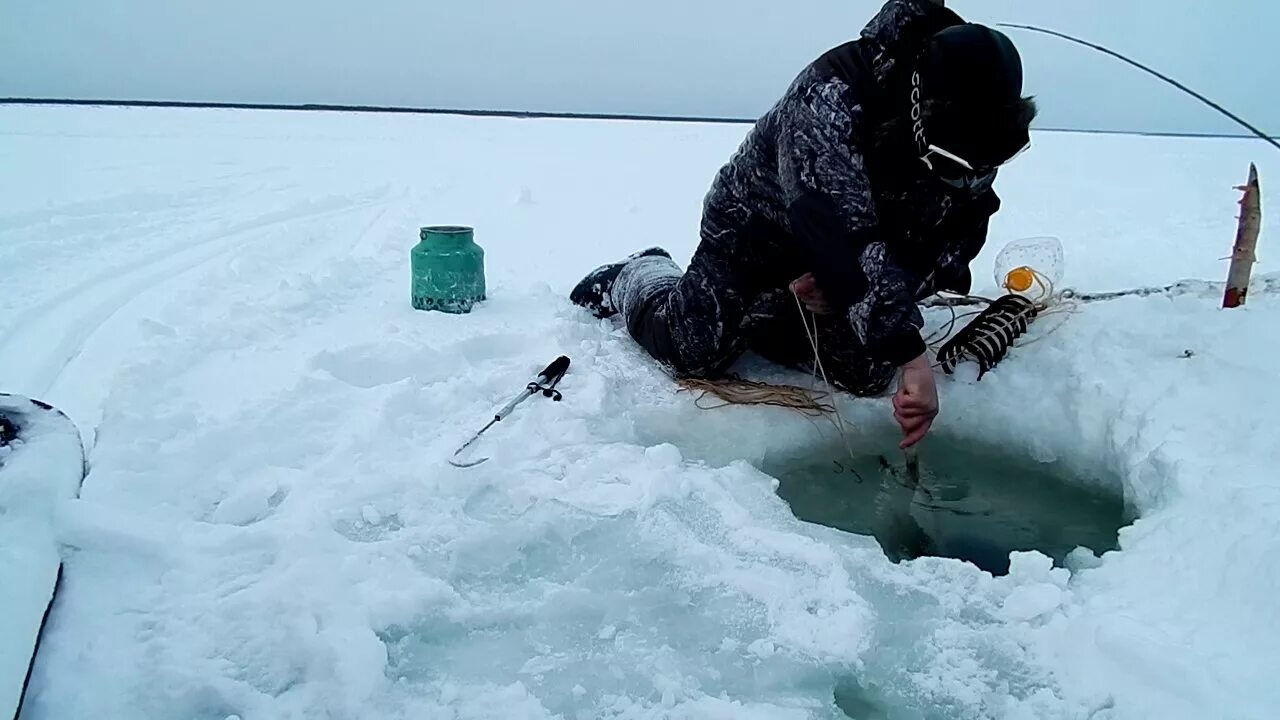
(689, 345)
(647, 324)
(688, 321)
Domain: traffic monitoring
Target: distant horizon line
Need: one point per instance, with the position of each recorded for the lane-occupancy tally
(517, 114)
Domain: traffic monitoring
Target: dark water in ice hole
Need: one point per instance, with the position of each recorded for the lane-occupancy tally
(973, 504)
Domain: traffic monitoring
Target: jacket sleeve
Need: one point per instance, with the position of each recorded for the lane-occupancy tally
(831, 211)
(966, 233)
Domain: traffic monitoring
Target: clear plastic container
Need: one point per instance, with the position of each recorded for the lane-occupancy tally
(1032, 267)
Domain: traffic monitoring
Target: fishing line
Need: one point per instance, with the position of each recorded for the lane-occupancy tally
(817, 366)
(1240, 121)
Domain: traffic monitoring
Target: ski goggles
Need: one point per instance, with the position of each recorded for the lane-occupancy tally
(960, 173)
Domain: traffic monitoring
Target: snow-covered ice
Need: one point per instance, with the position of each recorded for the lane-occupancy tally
(41, 465)
(220, 299)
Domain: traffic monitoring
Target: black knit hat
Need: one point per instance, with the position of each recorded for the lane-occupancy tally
(971, 85)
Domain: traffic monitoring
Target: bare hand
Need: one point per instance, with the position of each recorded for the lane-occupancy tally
(806, 288)
(915, 405)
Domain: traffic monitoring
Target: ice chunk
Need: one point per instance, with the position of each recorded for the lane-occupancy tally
(1082, 558)
(665, 455)
(1030, 565)
(1031, 601)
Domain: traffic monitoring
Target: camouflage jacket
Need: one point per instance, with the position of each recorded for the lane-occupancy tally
(833, 169)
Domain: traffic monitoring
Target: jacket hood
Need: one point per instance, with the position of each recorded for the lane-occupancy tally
(898, 33)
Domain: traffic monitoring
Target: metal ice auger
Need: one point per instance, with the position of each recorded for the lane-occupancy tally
(545, 383)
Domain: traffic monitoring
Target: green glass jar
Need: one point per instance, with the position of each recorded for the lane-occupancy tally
(448, 269)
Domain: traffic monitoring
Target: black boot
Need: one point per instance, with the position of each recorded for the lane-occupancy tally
(592, 292)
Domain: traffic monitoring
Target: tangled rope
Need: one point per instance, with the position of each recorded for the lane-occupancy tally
(811, 402)
(734, 390)
(738, 391)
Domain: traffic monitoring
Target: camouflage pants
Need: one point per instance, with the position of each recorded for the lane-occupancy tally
(698, 322)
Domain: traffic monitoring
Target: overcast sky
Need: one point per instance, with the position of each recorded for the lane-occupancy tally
(665, 57)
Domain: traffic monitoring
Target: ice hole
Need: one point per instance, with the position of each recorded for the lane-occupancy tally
(973, 502)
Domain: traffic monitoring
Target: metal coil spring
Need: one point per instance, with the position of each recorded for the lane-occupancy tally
(988, 337)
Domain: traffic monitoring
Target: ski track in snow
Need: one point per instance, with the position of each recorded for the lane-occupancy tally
(33, 364)
(270, 528)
